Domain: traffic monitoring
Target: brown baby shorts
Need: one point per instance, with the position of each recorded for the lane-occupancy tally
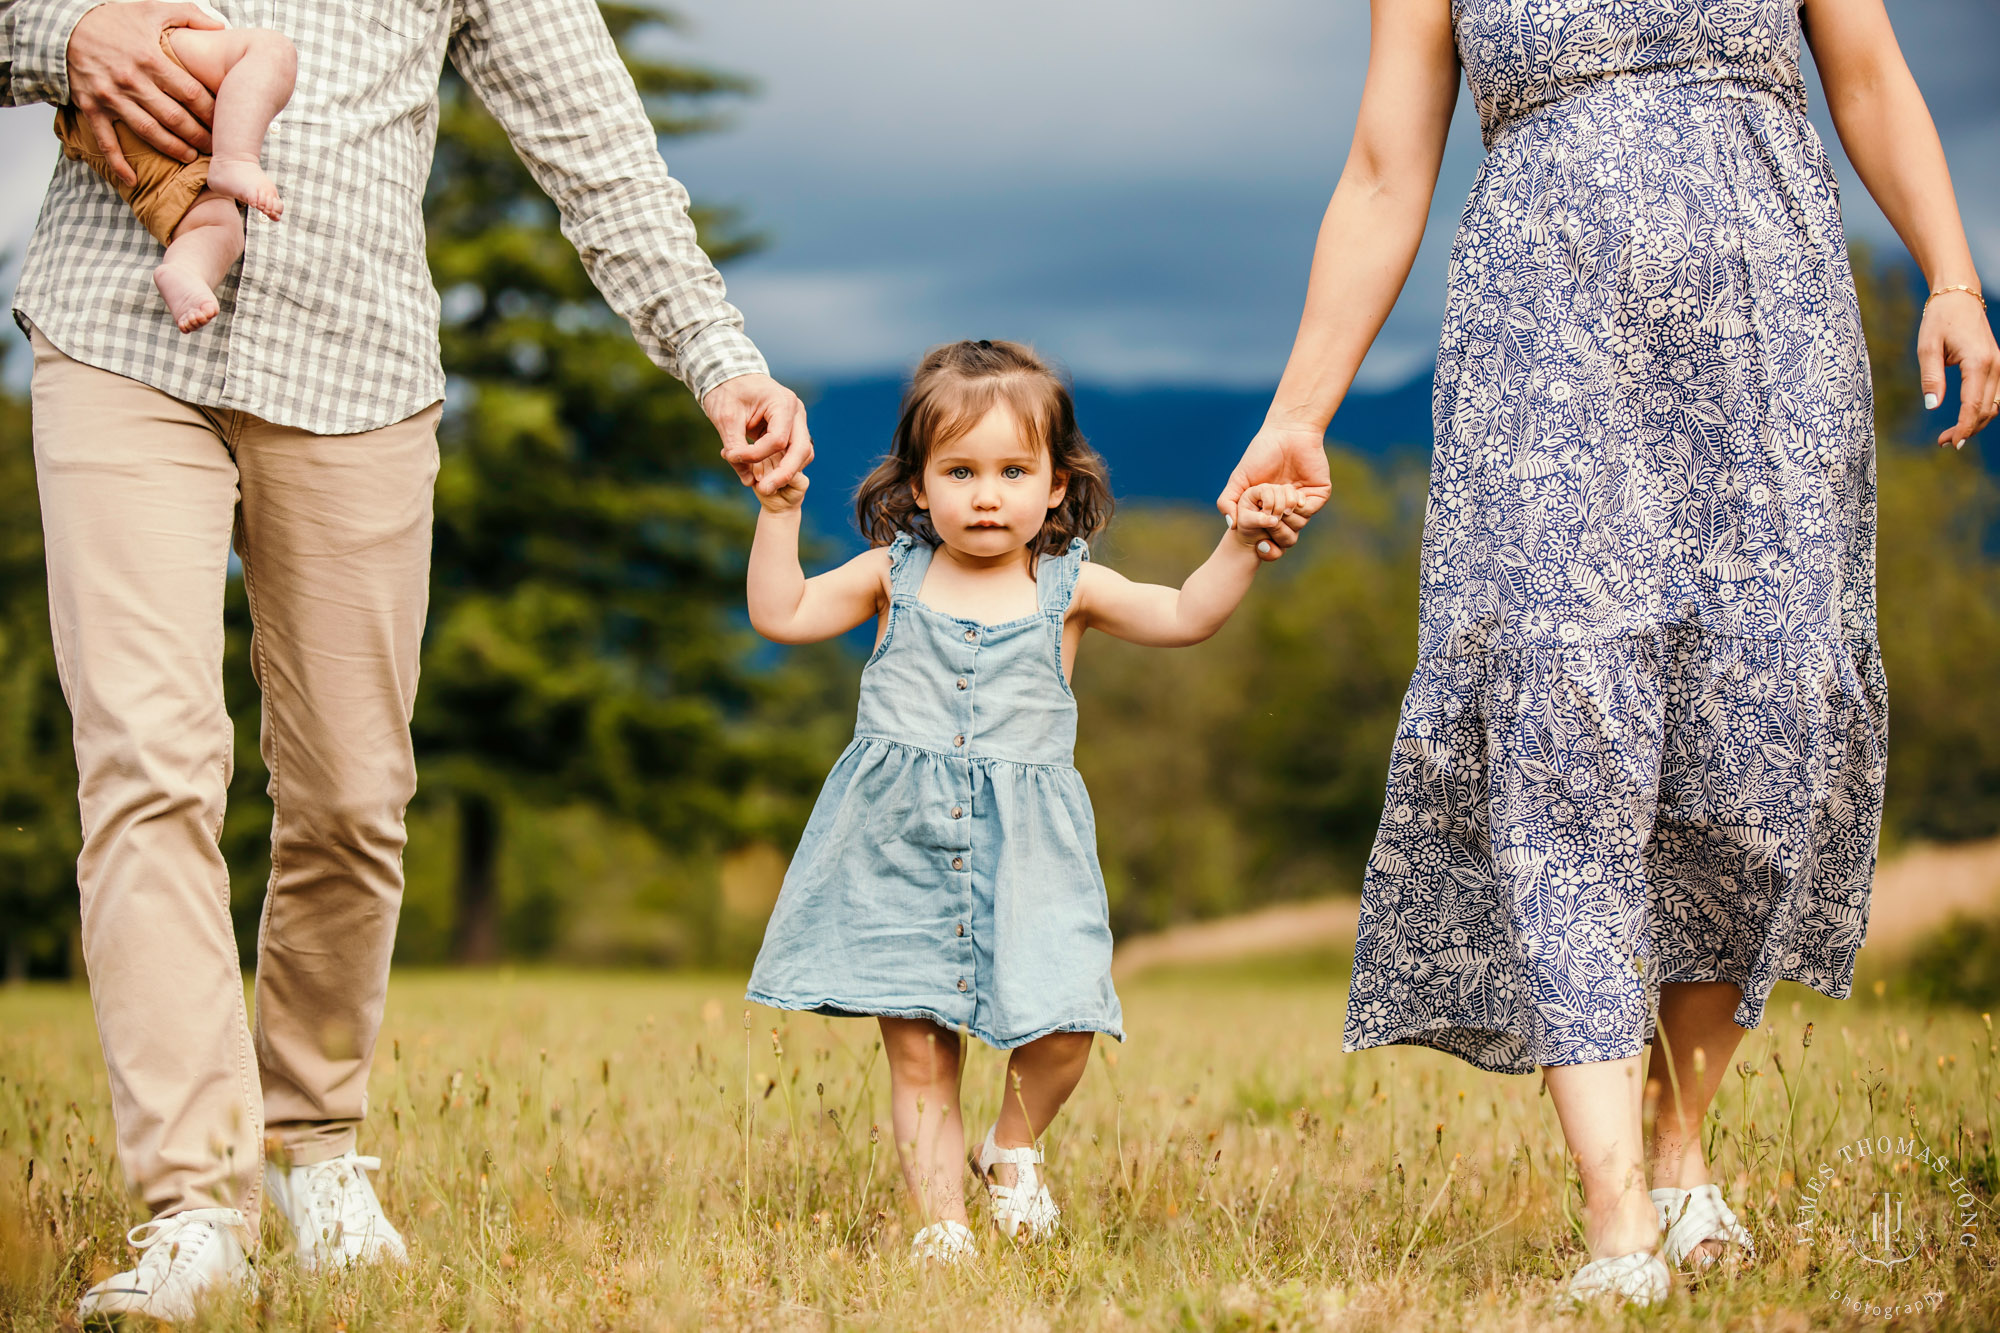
(167, 187)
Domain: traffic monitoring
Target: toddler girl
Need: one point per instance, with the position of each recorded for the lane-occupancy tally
(948, 876)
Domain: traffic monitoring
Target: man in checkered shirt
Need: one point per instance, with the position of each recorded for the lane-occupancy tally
(303, 421)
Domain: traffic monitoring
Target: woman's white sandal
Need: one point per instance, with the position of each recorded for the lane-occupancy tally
(1638, 1278)
(1025, 1205)
(1693, 1217)
(944, 1243)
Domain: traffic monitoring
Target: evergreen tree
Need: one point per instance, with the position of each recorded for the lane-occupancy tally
(38, 822)
(586, 637)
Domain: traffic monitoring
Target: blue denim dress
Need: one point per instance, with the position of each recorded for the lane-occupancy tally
(949, 870)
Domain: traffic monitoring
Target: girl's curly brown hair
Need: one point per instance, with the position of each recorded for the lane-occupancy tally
(954, 387)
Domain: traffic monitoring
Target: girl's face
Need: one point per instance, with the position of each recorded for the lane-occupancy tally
(989, 490)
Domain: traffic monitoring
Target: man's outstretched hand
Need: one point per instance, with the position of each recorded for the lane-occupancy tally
(118, 71)
(760, 421)
(1288, 456)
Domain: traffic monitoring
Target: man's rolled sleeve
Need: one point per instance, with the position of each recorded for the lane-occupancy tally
(36, 43)
(551, 75)
(719, 352)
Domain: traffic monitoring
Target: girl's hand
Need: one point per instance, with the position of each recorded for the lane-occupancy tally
(1262, 512)
(1955, 333)
(788, 497)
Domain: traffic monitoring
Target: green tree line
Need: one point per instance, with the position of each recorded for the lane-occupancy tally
(613, 769)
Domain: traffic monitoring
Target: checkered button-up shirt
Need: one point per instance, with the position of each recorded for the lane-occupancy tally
(330, 324)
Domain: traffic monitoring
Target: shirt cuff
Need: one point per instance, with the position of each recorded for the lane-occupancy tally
(719, 352)
(39, 49)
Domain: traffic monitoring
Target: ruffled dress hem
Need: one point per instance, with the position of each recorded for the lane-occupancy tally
(1476, 1044)
(834, 1008)
(1567, 829)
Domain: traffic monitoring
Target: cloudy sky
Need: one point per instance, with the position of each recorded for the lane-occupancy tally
(1131, 184)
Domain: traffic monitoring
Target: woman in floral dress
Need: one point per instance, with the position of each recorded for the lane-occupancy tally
(1638, 775)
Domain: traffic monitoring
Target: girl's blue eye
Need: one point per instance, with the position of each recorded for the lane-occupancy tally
(960, 473)
(1014, 473)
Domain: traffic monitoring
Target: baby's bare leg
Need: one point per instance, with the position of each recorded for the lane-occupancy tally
(251, 71)
(206, 244)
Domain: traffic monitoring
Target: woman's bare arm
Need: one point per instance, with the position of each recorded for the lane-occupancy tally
(1367, 241)
(1893, 143)
(1375, 221)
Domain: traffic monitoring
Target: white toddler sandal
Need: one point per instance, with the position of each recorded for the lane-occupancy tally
(1024, 1206)
(1691, 1217)
(1638, 1278)
(944, 1243)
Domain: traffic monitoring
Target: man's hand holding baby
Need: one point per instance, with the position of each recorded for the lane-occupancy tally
(118, 72)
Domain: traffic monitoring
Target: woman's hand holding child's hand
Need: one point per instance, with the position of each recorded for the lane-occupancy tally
(1261, 510)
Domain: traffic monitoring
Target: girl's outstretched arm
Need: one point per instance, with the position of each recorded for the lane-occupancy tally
(788, 607)
(1163, 617)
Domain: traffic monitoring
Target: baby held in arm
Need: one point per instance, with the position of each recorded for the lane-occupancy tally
(191, 207)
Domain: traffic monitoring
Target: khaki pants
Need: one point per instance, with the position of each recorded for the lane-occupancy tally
(140, 495)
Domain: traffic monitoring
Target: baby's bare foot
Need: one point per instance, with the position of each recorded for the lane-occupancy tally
(246, 183)
(188, 298)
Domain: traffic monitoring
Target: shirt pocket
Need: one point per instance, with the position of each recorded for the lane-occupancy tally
(412, 19)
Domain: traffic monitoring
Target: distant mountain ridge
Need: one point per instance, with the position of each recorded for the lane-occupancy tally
(1178, 442)
(1163, 443)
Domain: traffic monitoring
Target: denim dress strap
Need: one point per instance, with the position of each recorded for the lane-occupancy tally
(909, 558)
(1055, 580)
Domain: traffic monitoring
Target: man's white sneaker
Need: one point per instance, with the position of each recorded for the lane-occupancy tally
(333, 1213)
(184, 1258)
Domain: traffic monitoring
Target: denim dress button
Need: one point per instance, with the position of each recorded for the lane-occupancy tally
(958, 863)
(961, 682)
(964, 985)
(958, 812)
(971, 634)
(958, 742)
(961, 930)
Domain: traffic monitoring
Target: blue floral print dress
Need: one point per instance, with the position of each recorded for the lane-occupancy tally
(1646, 735)
(949, 870)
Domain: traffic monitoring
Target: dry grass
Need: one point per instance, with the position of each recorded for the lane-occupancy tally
(612, 1152)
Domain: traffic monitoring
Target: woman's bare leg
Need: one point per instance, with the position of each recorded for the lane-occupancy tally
(924, 1066)
(1698, 1037)
(1040, 1077)
(1600, 1105)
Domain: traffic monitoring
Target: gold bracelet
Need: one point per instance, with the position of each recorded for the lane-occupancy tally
(1967, 288)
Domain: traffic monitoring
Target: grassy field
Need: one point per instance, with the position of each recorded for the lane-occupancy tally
(612, 1152)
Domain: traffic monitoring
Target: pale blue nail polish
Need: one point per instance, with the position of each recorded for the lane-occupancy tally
(1930, 402)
